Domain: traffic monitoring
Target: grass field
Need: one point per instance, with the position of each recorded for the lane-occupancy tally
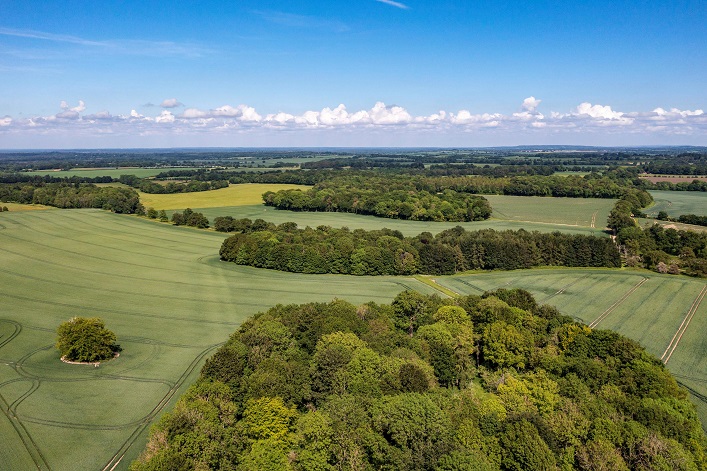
(580, 212)
(162, 290)
(645, 306)
(676, 203)
(569, 215)
(234, 195)
(171, 301)
(108, 172)
(645, 223)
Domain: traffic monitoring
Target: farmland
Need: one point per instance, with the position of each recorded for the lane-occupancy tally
(234, 195)
(676, 203)
(170, 301)
(162, 290)
(571, 215)
(106, 172)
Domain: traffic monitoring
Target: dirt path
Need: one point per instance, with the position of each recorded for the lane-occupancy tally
(683, 327)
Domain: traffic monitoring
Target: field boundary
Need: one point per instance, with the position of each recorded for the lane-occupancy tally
(683, 326)
(616, 304)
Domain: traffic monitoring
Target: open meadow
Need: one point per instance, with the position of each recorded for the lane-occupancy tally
(170, 301)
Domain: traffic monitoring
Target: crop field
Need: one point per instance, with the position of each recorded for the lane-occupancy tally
(676, 203)
(580, 212)
(570, 215)
(108, 172)
(164, 293)
(233, 195)
(645, 223)
(171, 302)
(666, 314)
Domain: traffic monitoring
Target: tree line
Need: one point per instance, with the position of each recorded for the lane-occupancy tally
(387, 252)
(665, 250)
(77, 195)
(489, 383)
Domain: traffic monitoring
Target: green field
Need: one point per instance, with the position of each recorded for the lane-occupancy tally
(676, 203)
(571, 215)
(162, 290)
(108, 172)
(170, 301)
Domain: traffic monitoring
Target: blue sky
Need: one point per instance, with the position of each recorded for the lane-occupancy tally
(443, 73)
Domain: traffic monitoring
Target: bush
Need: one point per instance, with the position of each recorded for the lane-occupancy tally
(86, 340)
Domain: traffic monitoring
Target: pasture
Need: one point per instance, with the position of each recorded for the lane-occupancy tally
(164, 293)
(676, 203)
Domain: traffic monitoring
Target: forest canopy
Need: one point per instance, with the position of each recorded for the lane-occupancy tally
(491, 382)
(387, 252)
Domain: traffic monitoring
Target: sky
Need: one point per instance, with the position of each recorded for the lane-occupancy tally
(467, 73)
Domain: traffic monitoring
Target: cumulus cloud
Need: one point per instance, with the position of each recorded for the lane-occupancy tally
(78, 109)
(598, 111)
(171, 103)
(583, 120)
(165, 117)
(530, 103)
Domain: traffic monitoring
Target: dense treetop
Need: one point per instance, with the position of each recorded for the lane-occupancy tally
(492, 382)
(387, 252)
(85, 339)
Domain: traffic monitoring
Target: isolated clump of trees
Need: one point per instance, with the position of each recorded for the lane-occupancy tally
(85, 339)
(493, 382)
(188, 217)
(387, 252)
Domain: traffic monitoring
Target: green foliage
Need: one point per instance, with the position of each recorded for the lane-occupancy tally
(86, 340)
(387, 252)
(418, 386)
(78, 195)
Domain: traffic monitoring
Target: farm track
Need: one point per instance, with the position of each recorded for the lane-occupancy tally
(118, 456)
(616, 304)
(564, 288)
(683, 326)
(28, 442)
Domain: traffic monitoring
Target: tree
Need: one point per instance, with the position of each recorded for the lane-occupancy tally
(86, 339)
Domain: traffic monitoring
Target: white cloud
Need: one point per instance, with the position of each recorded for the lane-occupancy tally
(191, 113)
(171, 103)
(392, 3)
(165, 117)
(530, 103)
(598, 111)
(77, 109)
(382, 114)
(584, 120)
